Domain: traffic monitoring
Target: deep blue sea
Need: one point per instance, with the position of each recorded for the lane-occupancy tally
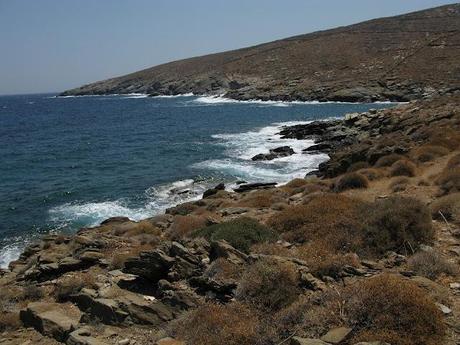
(68, 162)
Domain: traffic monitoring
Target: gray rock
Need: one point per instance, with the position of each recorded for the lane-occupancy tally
(336, 335)
(50, 319)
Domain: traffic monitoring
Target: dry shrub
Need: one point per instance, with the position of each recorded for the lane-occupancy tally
(271, 249)
(258, 199)
(323, 260)
(352, 180)
(431, 264)
(336, 218)
(358, 166)
(446, 137)
(9, 321)
(183, 226)
(427, 153)
(399, 224)
(269, 285)
(213, 324)
(447, 207)
(32, 293)
(454, 162)
(241, 233)
(388, 160)
(296, 183)
(315, 188)
(391, 309)
(143, 227)
(403, 167)
(372, 174)
(449, 181)
(72, 284)
(311, 316)
(399, 184)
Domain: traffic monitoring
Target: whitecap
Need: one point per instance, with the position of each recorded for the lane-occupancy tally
(10, 252)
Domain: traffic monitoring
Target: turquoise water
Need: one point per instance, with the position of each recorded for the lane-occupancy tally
(68, 162)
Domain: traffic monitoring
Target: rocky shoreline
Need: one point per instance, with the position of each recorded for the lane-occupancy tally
(374, 236)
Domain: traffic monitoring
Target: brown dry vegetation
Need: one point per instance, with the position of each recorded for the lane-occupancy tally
(388, 308)
(431, 264)
(388, 160)
(213, 324)
(427, 153)
(351, 180)
(447, 207)
(403, 167)
(449, 181)
(269, 285)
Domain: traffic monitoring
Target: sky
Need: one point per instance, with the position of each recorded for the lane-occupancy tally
(54, 45)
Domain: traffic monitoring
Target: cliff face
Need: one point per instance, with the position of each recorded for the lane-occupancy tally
(396, 58)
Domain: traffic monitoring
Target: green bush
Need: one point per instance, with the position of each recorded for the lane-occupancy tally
(399, 224)
(241, 233)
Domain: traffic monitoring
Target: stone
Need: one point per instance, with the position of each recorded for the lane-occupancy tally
(82, 336)
(252, 186)
(222, 249)
(170, 341)
(228, 211)
(310, 282)
(278, 152)
(306, 341)
(152, 265)
(51, 319)
(372, 343)
(336, 335)
(124, 342)
(445, 309)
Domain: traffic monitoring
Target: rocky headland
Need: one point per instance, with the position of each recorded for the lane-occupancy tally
(399, 58)
(365, 251)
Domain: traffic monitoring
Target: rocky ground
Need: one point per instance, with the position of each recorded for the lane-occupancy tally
(397, 58)
(365, 252)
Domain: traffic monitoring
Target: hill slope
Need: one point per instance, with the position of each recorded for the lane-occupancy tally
(395, 58)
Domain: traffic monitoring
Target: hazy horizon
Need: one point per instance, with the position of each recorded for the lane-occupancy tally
(51, 45)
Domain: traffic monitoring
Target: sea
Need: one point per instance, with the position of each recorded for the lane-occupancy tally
(72, 162)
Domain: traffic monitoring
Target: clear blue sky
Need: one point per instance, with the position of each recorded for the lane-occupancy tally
(52, 45)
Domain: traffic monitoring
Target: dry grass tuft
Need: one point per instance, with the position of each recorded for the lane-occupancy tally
(269, 285)
(399, 224)
(399, 184)
(447, 207)
(427, 153)
(183, 226)
(403, 167)
(358, 166)
(431, 264)
(454, 162)
(449, 181)
(372, 174)
(213, 324)
(391, 309)
(335, 218)
(351, 180)
(9, 321)
(388, 160)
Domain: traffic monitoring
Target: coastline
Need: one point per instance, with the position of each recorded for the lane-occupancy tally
(121, 255)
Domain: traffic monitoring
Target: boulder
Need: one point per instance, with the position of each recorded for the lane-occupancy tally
(82, 336)
(51, 319)
(279, 152)
(222, 249)
(152, 265)
(252, 186)
(336, 335)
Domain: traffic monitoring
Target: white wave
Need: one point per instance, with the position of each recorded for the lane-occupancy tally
(241, 147)
(190, 94)
(220, 99)
(10, 252)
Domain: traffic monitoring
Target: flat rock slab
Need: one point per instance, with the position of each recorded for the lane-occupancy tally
(51, 319)
(82, 336)
(336, 335)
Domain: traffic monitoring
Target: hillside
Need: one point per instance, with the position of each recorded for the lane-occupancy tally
(396, 58)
